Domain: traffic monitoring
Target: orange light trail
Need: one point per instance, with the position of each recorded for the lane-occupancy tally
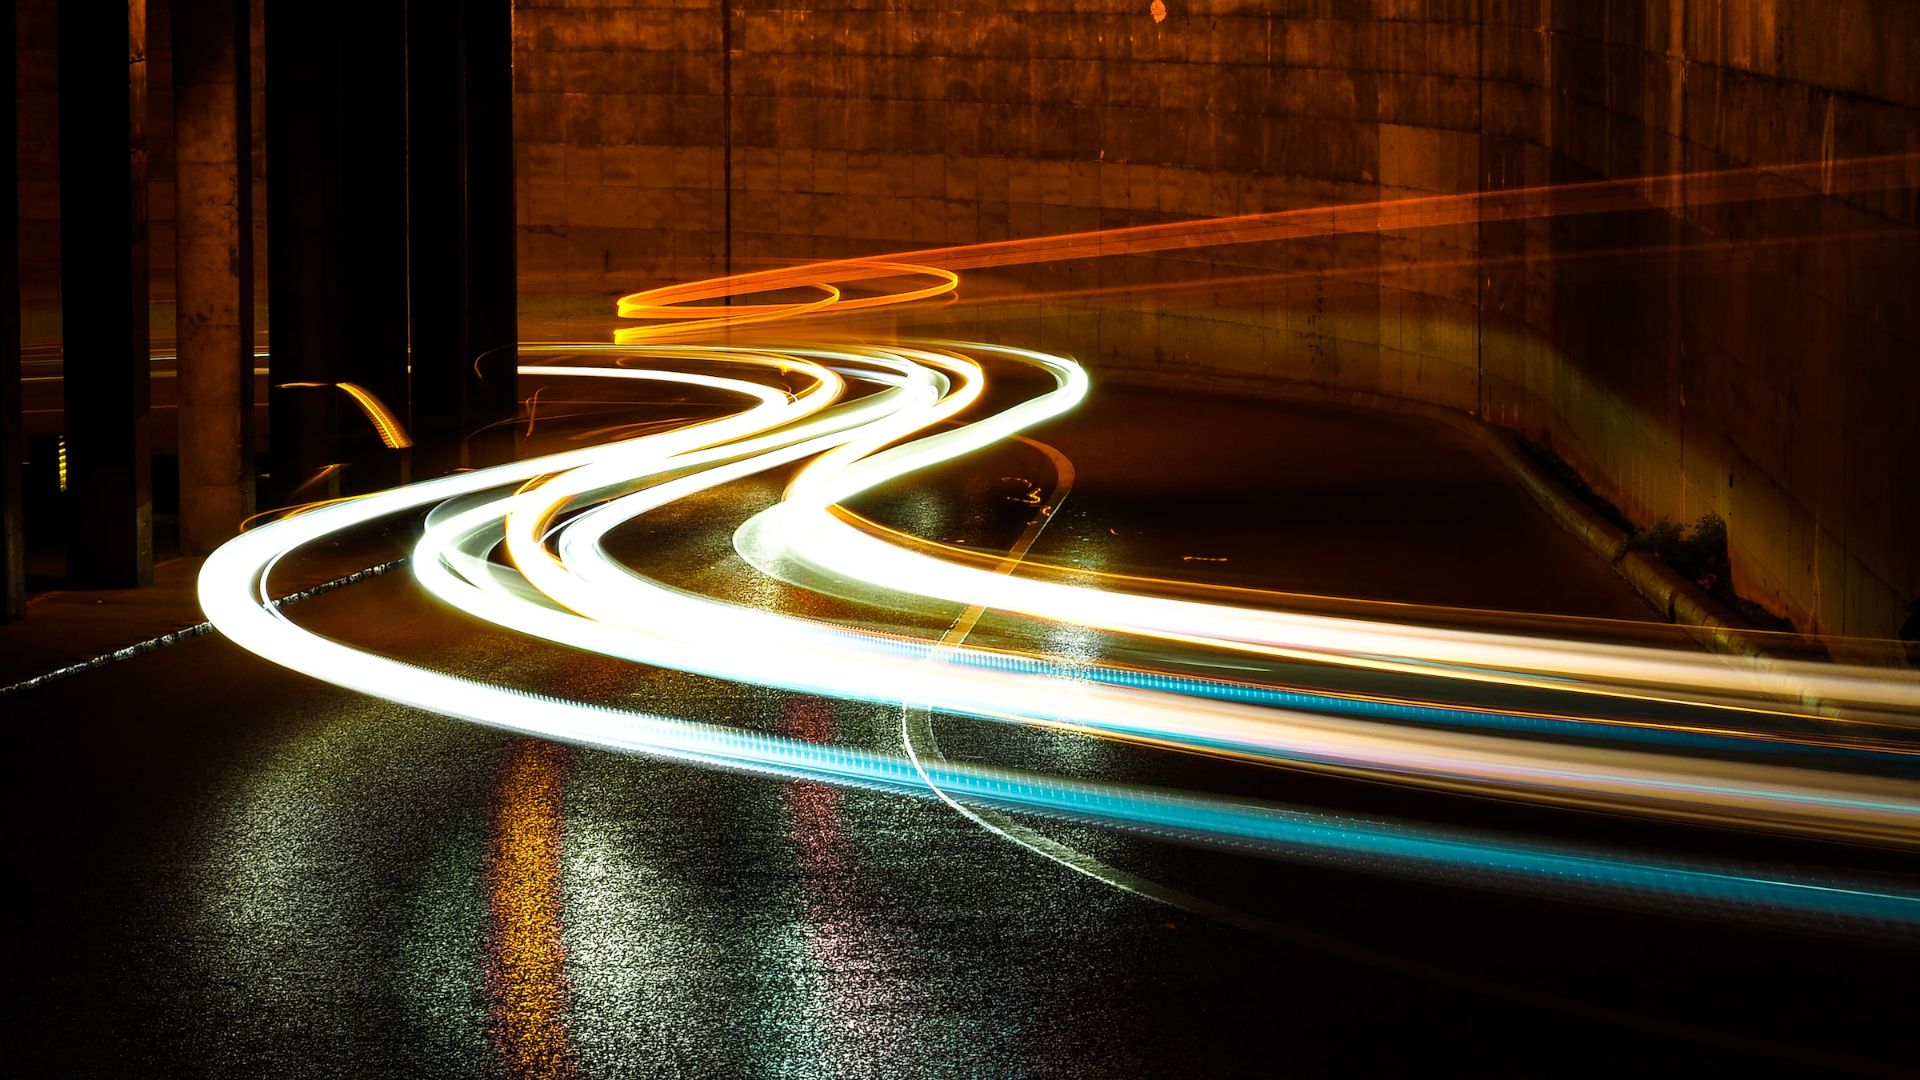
(552, 515)
(1756, 183)
(393, 434)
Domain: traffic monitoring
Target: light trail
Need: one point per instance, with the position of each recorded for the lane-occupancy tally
(393, 434)
(810, 535)
(1704, 733)
(675, 311)
(1706, 187)
(646, 622)
(856, 418)
(776, 422)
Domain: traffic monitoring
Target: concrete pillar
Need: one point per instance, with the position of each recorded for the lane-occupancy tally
(462, 288)
(213, 268)
(13, 448)
(103, 284)
(493, 279)
(337, 264)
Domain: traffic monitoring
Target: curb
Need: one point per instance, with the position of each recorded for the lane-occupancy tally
(1683, 603)
(174, 637)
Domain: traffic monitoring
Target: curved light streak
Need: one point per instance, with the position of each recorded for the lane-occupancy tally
(393, 434)
(637, 619)
(230, 587)
(553, 514)
(675, 311)
(233, 584)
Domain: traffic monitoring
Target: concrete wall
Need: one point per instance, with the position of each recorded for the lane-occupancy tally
(38, 146)
(39, 165)
(1754, 359)
(860, 128)
(1762, 365)
(1750, 359)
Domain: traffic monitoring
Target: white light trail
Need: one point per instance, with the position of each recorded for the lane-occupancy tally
(587, 600)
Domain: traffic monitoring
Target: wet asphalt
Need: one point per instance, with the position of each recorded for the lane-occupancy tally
(232, 869)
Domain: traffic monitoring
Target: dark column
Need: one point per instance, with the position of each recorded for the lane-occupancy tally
(493, 280)
(13, 539)
(103, 285)
(726, 137)
(214, 245)
(464, 325)
(337, 264)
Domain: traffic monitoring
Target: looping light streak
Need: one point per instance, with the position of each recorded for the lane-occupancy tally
(675, 311)
(918, 405)
(564, 573)
(647, 622)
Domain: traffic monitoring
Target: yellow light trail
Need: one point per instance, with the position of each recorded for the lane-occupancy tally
(393, 434)
(629, 616)
(809, 423)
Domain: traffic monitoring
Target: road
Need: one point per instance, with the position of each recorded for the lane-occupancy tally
(236, 868)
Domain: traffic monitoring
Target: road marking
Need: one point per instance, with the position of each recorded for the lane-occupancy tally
(527, 993)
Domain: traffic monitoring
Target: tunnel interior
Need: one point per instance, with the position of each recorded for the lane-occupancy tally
(904, 537)
(1704, 315)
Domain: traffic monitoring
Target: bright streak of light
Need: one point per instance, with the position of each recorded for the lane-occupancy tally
(680, 305)
(393, 434)
(647, 622)
(810, 534)
(553, 516)
(1752, 184)
(787, 427)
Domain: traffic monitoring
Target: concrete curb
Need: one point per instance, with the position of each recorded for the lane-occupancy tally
(1685, 604)
(174, 637)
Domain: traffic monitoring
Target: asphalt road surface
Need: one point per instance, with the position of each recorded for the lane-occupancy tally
(232, 869)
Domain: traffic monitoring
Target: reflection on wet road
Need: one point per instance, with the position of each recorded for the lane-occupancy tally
(765, 656)
(526, 979)
(566, 587)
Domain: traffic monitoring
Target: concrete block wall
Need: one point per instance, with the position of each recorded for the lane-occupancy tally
(619, 133)
(1754, 360)
(37, 113)
(859, 127)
